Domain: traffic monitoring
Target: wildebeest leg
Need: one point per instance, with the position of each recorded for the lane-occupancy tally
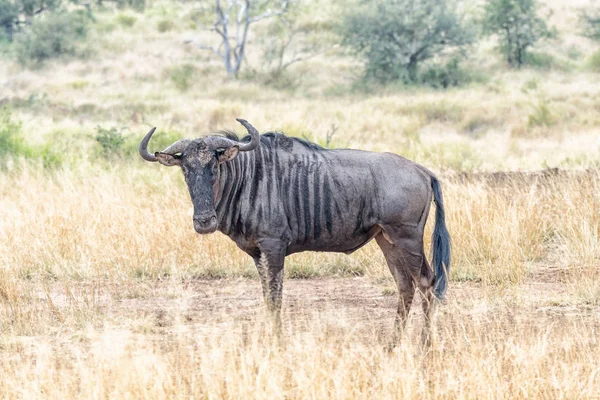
(271, 272)
(262, 274)
(405, 255)
(428, 304)
(399, 260)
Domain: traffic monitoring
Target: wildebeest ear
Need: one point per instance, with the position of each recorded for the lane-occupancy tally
(228, 154)
(167, 159)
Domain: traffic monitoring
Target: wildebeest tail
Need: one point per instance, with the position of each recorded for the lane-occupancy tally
(440, 243)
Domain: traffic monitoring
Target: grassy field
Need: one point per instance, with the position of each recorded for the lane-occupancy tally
(106, 291)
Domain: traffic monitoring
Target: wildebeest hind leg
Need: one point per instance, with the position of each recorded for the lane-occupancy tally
(400, 254)
(428, 303)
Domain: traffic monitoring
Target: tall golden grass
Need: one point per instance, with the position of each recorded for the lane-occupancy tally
(76, 243)
(555, 361)
(136, 223)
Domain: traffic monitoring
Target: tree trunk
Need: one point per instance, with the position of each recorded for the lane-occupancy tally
(412, 70)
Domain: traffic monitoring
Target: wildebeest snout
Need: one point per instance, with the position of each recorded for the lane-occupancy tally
(205, 223)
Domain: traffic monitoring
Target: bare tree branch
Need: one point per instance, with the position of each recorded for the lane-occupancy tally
(232, 48)
(270, 13)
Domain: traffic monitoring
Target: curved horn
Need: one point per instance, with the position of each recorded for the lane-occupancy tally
(253, 134)
(143, 148)
(220, 142)
(177, 147)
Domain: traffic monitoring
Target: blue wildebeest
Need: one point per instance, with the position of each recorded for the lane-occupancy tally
(275, 195)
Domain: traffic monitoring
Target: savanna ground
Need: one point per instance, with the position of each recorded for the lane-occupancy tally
(107, 291)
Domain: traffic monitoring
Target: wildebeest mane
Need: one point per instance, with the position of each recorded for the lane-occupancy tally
(267, 138)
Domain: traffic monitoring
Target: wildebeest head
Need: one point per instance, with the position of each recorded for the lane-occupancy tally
(199, 160)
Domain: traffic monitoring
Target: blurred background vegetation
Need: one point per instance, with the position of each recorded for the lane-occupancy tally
(444, 82)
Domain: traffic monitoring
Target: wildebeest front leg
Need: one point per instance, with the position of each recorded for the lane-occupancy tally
(270, 270)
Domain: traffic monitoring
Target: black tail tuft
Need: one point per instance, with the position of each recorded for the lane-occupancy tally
(440, 243)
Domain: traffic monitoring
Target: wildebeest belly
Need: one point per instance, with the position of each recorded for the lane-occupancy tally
(340, 244)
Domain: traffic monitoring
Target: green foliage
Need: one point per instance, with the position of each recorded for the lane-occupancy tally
(449, 74)
(138, 5)
(126, 20)
(50, 157)
(110, 141)
(12, 143)
(541, 115)
(593, 63)
(52, 36)
(165, 25)
(546, 61)
(590, 20)
(518, 25)
(182, 76)
(396, 36)
(12, 12)
(8, 17)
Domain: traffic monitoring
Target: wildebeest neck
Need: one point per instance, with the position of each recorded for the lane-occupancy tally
(233, 177)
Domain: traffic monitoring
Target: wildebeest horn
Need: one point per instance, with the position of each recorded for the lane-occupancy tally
(223, 142)
(143, 149)
(175, 148)
(253, 134)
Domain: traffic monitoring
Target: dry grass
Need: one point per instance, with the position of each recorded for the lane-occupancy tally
(106, 291)
(83, 310)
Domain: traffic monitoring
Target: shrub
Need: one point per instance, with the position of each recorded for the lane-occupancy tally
(448, 74)
(110, 141)
(12, 11)
(138, 5)
(518, 25)
(590, 19)
(52, 36)
(395, 36)
(12, 143)
(126, 20)
(541, 115)
(165, 25)
(546, 61)
(8, 16)
(593, 63)
(182, 76)
(50, 157)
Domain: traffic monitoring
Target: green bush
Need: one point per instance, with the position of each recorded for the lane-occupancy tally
(182, 76)
(110, 141)
(593, 63)
(590, 20)
(396, 36)
(449, 74)
(541, 115)
(12, 143)
(50, 157)
(518, 25)
(138, 5)
(126, 20)
(165, 25)
(8, 16)
(546, 61)
(52, 36)
(13, 11)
